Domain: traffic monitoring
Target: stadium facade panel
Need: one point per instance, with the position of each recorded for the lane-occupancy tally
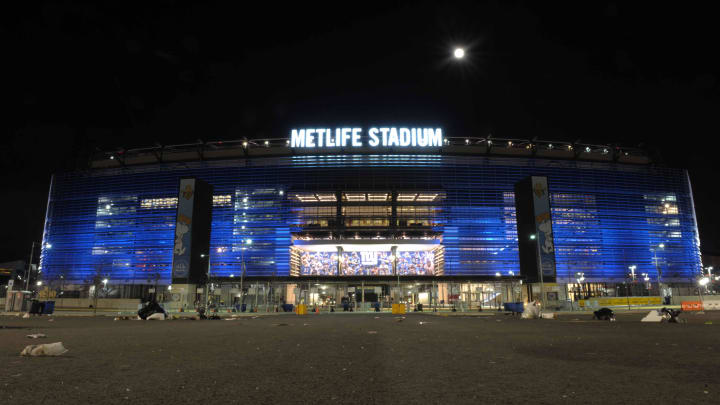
(340, 215)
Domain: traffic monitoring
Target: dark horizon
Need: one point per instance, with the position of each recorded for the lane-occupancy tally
(86, 76)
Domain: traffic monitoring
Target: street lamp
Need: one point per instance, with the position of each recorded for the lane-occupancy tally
(657, 266)
(242, 268)
(632, 279)
(459, 53)
(702, 282)
(632, 271)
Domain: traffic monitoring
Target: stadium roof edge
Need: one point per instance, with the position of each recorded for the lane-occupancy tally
(480, 146)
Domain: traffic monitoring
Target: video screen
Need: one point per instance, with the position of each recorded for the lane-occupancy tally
(318, 264)
(412, 263)
(373, 263)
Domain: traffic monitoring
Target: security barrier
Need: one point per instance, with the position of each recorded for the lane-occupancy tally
(620, 301)
(399, 308)
(711, 305)
(692, 306)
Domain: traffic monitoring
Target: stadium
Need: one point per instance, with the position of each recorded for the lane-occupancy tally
(386, 215)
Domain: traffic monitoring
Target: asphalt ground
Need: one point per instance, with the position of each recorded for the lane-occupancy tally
(364, 358)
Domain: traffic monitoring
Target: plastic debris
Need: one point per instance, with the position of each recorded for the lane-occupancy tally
(36, 335)
(531, 311)
(372, 332)
(27, 315)
(156, 317)
(604, 314)
(549, 315)
(151, 308)
(50, 349)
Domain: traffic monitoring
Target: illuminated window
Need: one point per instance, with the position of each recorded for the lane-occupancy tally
(378, 197)
(325, 197)
(158, 203)
(406, 197)
(222, 200)
(354, 196)
(306, 197)
(426, 197)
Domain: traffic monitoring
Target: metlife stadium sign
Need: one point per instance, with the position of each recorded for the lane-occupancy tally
(374, 137)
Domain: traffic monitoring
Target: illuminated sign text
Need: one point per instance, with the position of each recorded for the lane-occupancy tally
(375, 137)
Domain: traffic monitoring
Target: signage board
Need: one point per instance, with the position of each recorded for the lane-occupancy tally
(387, 137)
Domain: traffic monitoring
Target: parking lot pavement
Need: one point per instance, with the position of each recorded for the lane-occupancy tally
(365, 358)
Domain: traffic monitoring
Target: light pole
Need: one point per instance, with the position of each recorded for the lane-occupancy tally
(657, 267)
(242, 273)
(29, 267)
(580, 278)
(533, 237)
(632, 280)
(702, 283)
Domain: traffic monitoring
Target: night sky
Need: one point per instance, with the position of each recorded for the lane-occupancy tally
(80, 76)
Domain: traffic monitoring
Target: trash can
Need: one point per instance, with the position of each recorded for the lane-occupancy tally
(49, 307)
(420, 307)
(35, 308)
(243, 307)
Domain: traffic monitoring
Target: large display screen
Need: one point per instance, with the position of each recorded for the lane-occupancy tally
(367, 263)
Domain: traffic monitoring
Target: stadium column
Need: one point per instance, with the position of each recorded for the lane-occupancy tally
(393, 213)
(534, 228)
(191, 249)
(339, 260)
(398, 291)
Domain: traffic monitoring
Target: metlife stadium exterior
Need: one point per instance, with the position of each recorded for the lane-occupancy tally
(377, 216)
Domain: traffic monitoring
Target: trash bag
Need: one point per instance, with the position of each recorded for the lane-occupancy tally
(152, 307)
(50, 349)
(604, 314)
(531, 311)
(157, 316)
(670, 315)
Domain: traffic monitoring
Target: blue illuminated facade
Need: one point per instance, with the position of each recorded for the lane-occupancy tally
(606, 216)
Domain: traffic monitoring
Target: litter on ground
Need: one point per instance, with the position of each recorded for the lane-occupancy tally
(50, 349)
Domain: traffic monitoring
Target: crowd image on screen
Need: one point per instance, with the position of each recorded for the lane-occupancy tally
(377, 263)
(319, 263)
